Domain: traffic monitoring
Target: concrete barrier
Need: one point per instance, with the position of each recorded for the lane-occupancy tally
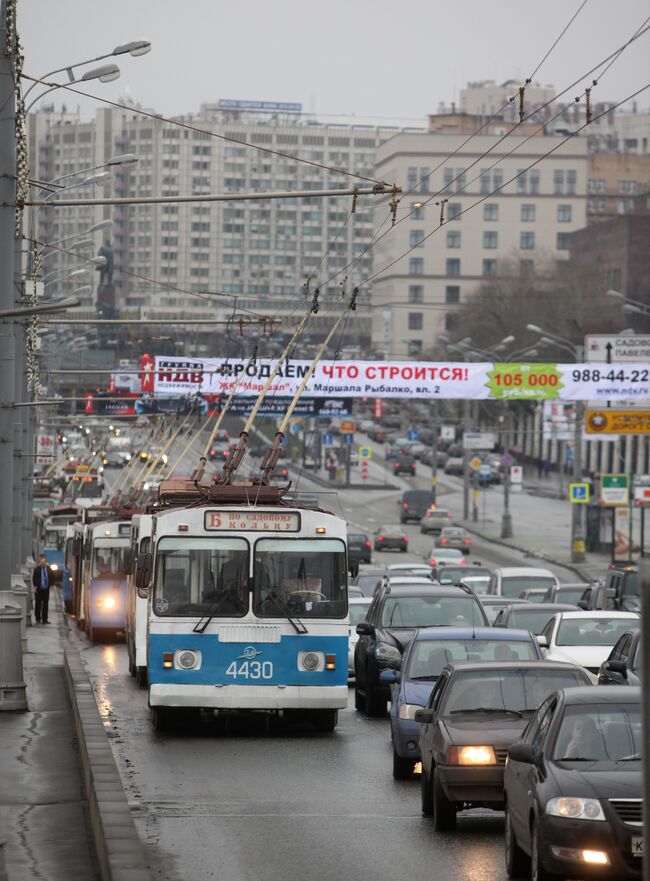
(119, 850)
(13, 694)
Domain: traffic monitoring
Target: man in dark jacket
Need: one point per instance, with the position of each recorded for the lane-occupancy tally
(41, 579)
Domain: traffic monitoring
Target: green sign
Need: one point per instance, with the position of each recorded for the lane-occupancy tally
(614, 489)
(535, 381)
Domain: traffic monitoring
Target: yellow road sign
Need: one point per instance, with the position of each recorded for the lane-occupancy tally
(617, 422)
(365, 452)
(475, 463)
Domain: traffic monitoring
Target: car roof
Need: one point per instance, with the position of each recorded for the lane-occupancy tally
(599, 613)
(603, 694)
(360, 601)
(551, 608)
(494, 599)
(421, 590)
(409, 579)
(512, 665)
(498, 634)
(401, 567)
(523, 570)
(571, 586)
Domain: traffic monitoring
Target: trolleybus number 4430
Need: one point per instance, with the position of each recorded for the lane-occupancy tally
(250, 670)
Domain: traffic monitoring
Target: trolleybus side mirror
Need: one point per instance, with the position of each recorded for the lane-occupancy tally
(353, 567)
(143, 574)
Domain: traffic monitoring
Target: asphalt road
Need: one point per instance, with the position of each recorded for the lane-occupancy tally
(257, 801)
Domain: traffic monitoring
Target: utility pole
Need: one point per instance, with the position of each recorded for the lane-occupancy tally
(506, 518)
(7, 328)
(577, 513)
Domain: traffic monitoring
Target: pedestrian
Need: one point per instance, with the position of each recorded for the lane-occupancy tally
(546, 466)
(41, 580)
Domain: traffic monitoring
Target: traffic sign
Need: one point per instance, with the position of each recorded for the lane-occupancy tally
(327, 440)
(413, 435)
(579, 493)
(516, 474)
(365, 452)
(506, 460)
(614, 489)
(617, 422)
(347, 438)
(642, 495)
(479, 440)
(617, 348)
(448, 432)
(475, 463)
(347, 426)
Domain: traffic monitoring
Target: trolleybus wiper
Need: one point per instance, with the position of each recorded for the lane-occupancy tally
(201, 625)
(293, 619)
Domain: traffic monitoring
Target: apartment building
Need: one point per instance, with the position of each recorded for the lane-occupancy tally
(614, 182)
(496, 211)
(168, 256)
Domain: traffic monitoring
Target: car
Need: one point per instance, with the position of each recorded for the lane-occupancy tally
(419, 569)
(475, 713)
(593, 596)
(454, 465)
(492, 605)
(623, 666)
(218, 451)
(113, 459)
(377, 434)
(369, 579)
(366, 425)
(586, 638)
(564, 593)
(416, 449)
(443, 556)
(434, 520)
(533, 594)
(454, 537)
(573, 788)
(510, 581)
(395, 614)
(396, 449)
(358, 610)
(430, 650)
(391, 537)
(453, 574)
(622, 587)
(404, 463)
(399, 579)
(359, 547)
(530, 616)
(414, 504)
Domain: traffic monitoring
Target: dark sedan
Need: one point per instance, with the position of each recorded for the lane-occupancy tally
(391, 537)
(573, 788)
(359, 547)
(564, 593)
(530, 616)
(493, 605)
(475, 713)
(623, 666)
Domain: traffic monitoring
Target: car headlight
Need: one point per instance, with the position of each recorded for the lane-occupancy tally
(386, 652)
(575, 808)
(407, 711)
(54, 567)
(472, 755)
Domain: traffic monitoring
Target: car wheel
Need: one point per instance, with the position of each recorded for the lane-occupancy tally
(359, 702)
(517, 862)
(374, 706)
(537, 870)
(324, 720)
(141, 676)
(444, 811)
(403, 550)
(426, 794)
(162, 718)
(402, 768)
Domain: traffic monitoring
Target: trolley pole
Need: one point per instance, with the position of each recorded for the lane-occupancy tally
(7, 327)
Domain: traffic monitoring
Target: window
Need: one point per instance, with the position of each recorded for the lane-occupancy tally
(416, 293)
(453, 266)
(415, 321)
(416, 266)
(417, 211)
(614, 279)
(528, 213)
(460, 180)
(564, 213)
(453, 210)
(415, 238)
(558, 182)
(490, 239)
(571, 180)
(451, 321)
(533, 181)
(489, 267)
(447, 177)
(601, 185)
(485, 181)
(453, 239)
(424, 180)
(497, 179)
(522, 180)
(411, 178)
(562, 241)
(591, 185)
(491, 211)
(527, 241)
(452, 294)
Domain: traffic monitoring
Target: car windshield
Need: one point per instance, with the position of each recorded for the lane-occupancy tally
(306, 576)
(358, 612)
(512, 585)
(89, 489)
(569, 594)
(456, 574)
(507, 690)
(592, 631)
(600, 733)
(357, 538)
(430, 657)
(479, 584)
(109, 558)
(368, 583)
(201, 576)
(534, 620)
(431, 611)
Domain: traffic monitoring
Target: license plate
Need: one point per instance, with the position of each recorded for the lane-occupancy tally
(637, 847)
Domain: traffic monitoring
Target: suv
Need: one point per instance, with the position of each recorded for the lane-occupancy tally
(622, 586)
(510, 581)
(415, 504)
(393, 617)
(404, 463)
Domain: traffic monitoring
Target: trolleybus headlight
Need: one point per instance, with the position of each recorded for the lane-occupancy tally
(54, 567)
(311, 661)
(107, 602)
(186, 660)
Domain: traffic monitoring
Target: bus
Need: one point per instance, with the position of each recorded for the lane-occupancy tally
(136, 600)
(48, 531)
(247, 605)
(103, 582)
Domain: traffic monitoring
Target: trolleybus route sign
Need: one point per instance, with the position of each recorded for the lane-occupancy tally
(252, 521)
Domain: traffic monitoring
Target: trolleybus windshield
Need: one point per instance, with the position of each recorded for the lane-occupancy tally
(201, 576)
(109, 558)
(306, 575)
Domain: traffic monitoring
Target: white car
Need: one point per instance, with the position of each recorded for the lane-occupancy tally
(585, 638)
(358, 610)
(422, 570)
(441, 556)
(510, 581)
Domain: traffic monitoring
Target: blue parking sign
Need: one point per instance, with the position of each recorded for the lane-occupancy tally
(413, 435)
(328, 440)
(579, 493)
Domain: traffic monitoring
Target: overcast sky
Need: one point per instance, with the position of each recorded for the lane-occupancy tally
(363, 57)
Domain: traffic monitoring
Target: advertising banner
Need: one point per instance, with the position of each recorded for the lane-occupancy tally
(406, 379)
(45, 448)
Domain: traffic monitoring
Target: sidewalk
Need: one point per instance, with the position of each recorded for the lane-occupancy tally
(43, 811)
